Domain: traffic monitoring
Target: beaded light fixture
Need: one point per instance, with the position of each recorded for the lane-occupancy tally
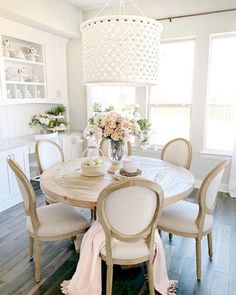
(121, 49)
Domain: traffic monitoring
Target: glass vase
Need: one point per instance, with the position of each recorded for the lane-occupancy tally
(116, 149)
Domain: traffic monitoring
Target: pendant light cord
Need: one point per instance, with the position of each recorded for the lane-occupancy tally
(104, 7)
(121, 7)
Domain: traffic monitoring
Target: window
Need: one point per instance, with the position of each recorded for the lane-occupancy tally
(221, 102)
(110, 95)
(169, 107)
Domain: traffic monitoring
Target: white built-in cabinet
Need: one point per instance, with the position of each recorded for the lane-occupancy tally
(56, 71)
(25, 77)
(25, 157)
(9, 190)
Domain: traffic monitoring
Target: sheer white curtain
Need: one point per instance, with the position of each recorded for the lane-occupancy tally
(232, 178)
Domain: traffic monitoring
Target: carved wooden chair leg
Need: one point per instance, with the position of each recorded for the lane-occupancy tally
(109, 279)
(93, 214)
(72, 239)
(37, 251)
(210, 248)
(150, 278)
(31, 246)
(198, 258)
(170, 237)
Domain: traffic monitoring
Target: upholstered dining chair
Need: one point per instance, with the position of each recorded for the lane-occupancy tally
(46, 223)
(48, 154)
(139, 202)
(195, 220)
(104, 146)
(179, 152)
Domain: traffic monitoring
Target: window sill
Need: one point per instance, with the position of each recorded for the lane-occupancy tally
(215, 155)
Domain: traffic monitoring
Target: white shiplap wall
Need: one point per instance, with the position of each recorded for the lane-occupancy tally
(14, 119)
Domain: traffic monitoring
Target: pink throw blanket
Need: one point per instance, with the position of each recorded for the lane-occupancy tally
(87, 278)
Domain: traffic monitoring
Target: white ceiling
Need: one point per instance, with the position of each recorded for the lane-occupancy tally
(188, 5)
(84, 4)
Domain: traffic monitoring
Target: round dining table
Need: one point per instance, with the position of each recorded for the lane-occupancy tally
(65, 183)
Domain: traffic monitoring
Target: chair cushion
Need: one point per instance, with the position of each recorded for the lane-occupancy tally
(181, 217)
(123, 250)
(58, 219)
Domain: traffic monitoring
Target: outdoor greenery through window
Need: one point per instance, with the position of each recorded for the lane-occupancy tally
(169, 108)
(221, 103)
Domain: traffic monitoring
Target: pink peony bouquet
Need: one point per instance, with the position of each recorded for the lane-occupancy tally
(116, 127)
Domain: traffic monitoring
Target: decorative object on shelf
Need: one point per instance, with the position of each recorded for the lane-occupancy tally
(9, 94)
(29, 94)
(121, 48)
(93, 166)
(117, 128)
(50, 121)
(19, 94)
(32, 53)
(6, 47)
(19, 54)
(12, 74)
(38, 93)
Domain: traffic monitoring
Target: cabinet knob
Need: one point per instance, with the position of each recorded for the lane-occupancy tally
(58, 93)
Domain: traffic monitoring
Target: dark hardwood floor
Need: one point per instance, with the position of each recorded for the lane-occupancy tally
(59, 259)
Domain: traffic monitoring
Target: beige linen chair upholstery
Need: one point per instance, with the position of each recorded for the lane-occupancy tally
(48, 154)
(195, 220)
(179, 152)
(104, 145)
(129, 211)
(46, 223)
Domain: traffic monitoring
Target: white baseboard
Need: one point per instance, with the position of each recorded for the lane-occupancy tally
(9, 203)
(223, 187)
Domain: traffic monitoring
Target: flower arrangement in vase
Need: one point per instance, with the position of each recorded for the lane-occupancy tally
(118, 128)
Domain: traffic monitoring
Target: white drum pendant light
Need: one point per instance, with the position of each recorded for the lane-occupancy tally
(121, 49)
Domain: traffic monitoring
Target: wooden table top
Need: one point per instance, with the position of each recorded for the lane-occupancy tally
(65, 183)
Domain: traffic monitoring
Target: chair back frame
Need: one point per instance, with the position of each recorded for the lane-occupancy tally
(103, 141)
(189, 146)
(31, 210)
(203, 209)
(37, 152)
(111, 232)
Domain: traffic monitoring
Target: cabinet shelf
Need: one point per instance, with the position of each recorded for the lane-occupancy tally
(24, 83)
(24, 61)
(31, 100)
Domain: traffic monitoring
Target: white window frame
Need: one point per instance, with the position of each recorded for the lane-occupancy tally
(206, 152)
(189, 105)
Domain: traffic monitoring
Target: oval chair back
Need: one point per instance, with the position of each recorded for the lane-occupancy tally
(178, 152)
(27, 193)
(208, 192)
(48, 154)
(129, 211)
